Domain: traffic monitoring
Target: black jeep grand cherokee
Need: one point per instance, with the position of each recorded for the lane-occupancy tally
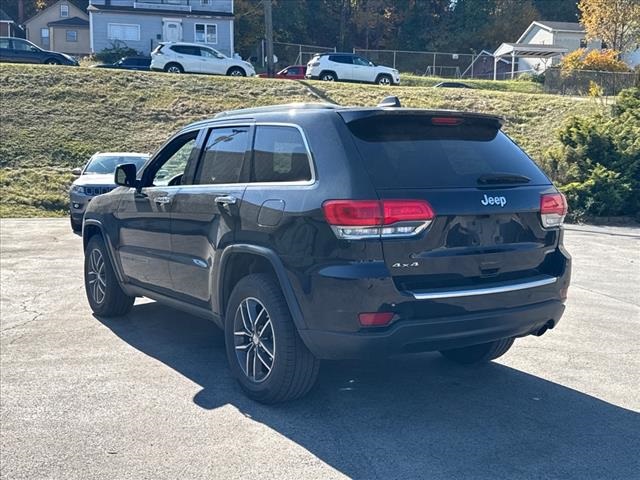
(310, 232)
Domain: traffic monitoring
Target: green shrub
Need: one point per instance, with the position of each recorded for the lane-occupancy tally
(598, 162)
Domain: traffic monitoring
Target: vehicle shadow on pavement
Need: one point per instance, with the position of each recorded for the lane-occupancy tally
(411, 417)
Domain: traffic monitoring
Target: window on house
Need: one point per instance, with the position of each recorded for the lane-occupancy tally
(206, 33)
(583, 43)
(44, 37)
(604, 45)
(72, 35)
(124, 32)
(64, 11)
(205, 2)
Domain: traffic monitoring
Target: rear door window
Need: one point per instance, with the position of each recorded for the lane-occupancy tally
(279, 155)
(186, 50)
(408, 151)
(224, 156)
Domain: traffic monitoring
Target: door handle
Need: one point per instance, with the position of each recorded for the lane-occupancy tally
(226, 200)
(163, 200)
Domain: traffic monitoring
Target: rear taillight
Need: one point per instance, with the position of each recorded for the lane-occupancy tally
(358, 219)
(553, 209)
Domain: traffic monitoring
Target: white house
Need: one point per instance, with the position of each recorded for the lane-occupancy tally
(569, 35)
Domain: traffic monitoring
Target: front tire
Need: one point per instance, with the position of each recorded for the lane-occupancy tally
(75, 226)
(52, 61)
(173, 68)
(236, 72)
(384, 80)
(266, 355)
(104, 293)
(482, 353)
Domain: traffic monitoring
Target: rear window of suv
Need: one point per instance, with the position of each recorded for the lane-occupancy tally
(408, 151)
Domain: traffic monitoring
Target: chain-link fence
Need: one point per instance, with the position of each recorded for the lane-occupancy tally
(582, 82)
(438, 64)
(290, 53)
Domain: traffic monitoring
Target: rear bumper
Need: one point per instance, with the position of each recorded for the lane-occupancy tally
(434, 334)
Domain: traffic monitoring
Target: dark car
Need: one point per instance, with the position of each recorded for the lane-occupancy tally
(128, 63)
(316, 231)
(451, 85)
(292, 72)
(17, 50)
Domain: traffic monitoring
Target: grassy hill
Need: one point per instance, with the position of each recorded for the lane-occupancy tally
(54, 118)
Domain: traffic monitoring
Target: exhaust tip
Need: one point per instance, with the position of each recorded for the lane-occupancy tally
(542, 330)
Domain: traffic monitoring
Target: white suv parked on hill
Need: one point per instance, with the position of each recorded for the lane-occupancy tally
(181, 57)
(351, 67)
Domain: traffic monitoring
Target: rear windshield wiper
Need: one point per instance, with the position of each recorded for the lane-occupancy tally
(502, 179)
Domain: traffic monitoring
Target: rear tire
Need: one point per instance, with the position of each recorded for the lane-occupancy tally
(482, 353)
(104, 293)
(173, 68)
(328, 77)
(266, 355)
(236, 72)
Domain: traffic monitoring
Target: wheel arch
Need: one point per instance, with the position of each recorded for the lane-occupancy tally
(335, 75)
(236, 67)
(238, 261)
(91, 228)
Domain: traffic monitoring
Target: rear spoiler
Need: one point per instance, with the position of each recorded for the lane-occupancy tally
(352, 115)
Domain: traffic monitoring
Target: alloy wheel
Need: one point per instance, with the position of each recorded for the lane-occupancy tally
(173, 69)
(384, 81)
(254, 340)
(97, 276)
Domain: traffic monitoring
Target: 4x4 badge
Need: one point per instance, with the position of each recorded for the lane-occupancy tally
(502, 201)
(405, 265)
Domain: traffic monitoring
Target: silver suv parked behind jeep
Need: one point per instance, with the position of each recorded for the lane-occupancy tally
(95, 179)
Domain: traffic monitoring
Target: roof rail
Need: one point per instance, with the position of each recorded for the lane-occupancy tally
(277, 108)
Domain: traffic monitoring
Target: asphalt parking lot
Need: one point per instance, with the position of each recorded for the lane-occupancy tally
(150, 395)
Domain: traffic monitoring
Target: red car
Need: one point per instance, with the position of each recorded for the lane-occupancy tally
(292, 72)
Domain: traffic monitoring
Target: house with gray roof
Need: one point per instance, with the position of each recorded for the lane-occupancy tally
(560, 35)
(142, 24)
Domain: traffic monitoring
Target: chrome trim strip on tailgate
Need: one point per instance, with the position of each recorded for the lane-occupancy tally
(512, 287)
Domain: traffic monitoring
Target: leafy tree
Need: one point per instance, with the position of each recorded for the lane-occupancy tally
(597, 60)
(617, 22)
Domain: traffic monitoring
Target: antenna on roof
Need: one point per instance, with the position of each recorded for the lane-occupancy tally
(390, 101)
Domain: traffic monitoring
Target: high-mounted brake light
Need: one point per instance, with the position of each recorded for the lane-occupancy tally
(447, 121)
(358, 219)
(553, 209)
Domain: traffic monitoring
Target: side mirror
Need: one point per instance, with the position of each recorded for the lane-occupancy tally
(125, 175)
(76, 172)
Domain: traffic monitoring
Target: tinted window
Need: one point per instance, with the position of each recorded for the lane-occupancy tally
(22, 45)
(410, 152)
(279, 155)
(186, 50)
(105, 164)
(341, 59)
(4, 43)
(224, 156)
(361, 61)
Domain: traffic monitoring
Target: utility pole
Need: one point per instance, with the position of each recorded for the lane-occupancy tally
(268, 31)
